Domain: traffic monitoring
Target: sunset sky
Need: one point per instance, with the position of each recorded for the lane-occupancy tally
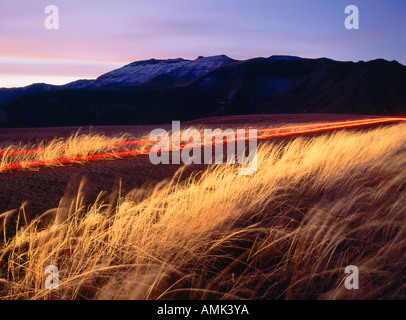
(96, 36)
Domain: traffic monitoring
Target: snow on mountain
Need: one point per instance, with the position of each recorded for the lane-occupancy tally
(142, 71)
(133, 73)
(201, 66)
(78, 84)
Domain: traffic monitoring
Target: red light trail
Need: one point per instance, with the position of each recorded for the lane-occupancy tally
(267, 134)
(140, 141)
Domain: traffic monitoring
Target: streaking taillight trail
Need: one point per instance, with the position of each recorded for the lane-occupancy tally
(262, 135)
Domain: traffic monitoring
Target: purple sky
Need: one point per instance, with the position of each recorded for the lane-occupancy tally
(96, 36)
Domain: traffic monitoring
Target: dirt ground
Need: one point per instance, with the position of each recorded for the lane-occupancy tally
(10, 136)
(42, 190)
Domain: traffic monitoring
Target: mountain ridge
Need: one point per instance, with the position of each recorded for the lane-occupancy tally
(188, 89)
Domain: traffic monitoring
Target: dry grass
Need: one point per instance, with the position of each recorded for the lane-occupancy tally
(314, 206)
(74, 146)
(78, 145)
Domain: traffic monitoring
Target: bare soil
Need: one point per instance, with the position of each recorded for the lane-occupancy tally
(43, 189)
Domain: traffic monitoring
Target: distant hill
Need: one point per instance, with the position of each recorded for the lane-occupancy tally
(159, 91)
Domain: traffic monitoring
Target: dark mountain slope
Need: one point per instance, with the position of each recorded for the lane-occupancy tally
(261, 85)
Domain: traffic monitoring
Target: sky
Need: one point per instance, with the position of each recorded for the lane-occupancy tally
(96, 36)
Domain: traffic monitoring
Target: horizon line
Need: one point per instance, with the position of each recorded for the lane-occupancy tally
(74, 79)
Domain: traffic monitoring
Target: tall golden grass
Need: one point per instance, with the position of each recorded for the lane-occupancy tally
(77, 145)
(315, 206)
(73, 146)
